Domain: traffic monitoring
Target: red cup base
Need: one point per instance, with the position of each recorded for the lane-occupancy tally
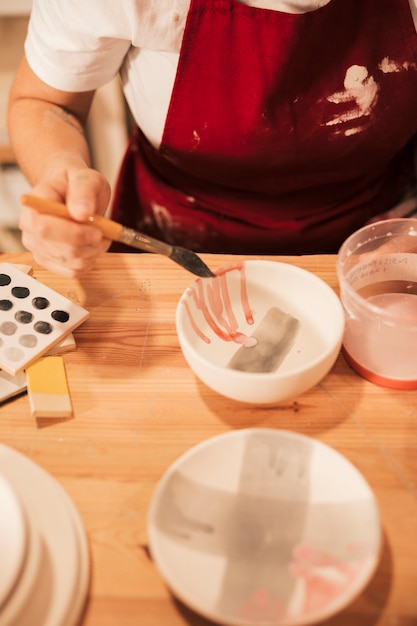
(382, 381)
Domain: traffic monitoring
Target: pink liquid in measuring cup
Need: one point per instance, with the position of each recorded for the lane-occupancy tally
(383, 346)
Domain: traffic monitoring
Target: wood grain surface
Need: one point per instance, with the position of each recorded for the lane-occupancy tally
(138, 407)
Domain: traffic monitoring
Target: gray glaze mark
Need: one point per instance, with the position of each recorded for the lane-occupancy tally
(275, 337)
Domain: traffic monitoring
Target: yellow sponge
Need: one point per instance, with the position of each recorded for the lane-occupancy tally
(48, 388)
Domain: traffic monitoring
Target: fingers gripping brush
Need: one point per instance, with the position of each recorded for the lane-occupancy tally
(117, 232)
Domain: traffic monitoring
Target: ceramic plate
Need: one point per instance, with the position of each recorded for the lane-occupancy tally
(25, 584)
(264, 527)
(57, 593)
(13, 539)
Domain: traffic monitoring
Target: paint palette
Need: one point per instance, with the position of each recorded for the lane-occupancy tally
(11, 386)
(285, 529)
(33, 318)
(45, 566)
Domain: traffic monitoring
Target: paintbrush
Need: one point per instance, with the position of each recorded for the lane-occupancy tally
(116, 232)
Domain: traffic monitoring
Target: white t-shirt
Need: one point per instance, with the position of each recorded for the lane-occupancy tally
(81, 45)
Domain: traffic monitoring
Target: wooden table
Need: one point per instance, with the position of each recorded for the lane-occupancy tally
(138, 407)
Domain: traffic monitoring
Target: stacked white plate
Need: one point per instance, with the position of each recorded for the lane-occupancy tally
(44, 558)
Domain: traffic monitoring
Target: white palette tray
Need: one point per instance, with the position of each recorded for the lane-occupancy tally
(33, 318)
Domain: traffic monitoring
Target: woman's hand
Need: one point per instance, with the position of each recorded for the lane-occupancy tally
(66, 247)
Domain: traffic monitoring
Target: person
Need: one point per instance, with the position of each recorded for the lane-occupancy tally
(261, 126)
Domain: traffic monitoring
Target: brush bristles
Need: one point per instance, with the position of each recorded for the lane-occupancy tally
(191, 262)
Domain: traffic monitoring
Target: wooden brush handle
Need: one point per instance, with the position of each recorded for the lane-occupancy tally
(111, 230)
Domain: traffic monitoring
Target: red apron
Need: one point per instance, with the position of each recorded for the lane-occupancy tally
(284, 132)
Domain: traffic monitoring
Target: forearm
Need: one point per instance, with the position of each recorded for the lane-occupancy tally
(46, 139)
(46, 127)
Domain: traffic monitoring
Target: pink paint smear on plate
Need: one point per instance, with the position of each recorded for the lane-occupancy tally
(325, 578)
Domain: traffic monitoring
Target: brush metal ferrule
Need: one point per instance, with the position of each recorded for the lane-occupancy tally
(138, 240)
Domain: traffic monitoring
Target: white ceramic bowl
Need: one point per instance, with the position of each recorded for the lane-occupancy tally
(293, 317)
